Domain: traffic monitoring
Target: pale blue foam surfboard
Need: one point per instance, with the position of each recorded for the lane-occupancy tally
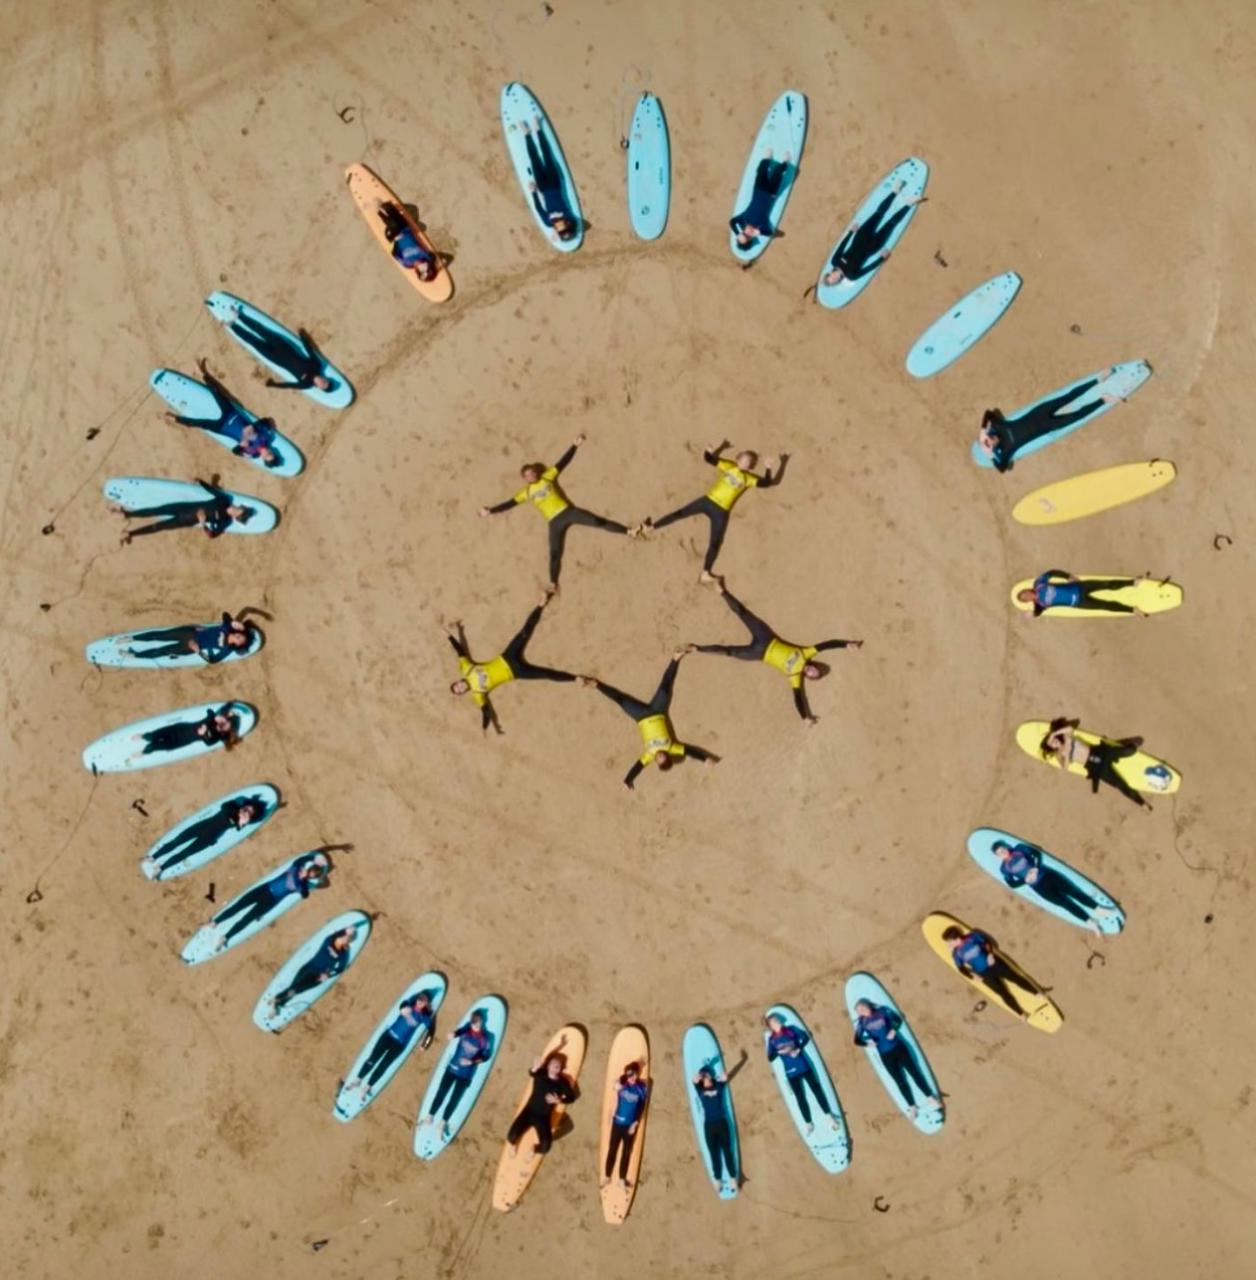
(700, 1049)
(828, 1143)
(649, 168)
(971, 318)
(913, 174)
(134, 493)
(429, 1137)
(123, 750)
(269, 1019)
(154, 862)
(355, 1096)
(1120, 380)
(191, 399)
(519, 109)
(981, 847)
(226, 308)
(124, 650)
(784, 131)
(928, 1119)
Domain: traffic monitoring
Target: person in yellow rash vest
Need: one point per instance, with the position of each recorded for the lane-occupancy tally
(717, 504)
(792, 660)
(479, 679)
(657, 735)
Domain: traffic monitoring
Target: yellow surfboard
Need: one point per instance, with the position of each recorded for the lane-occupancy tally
(1094, 491)
(1044, 1015)
(1143, 772)
(517, 1167)
(1148, 594)
(630, 1045)
(369, 191)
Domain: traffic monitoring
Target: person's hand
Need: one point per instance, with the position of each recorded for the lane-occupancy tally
(811, 720)
(579, 440)
(856, 644)
(632, 1128)
(891, 1034)
(484, 511)
(1034, 875)
(711, 761)
(553, 1099)
(677, 654)
(531, 185)
(628, 786)
(562, 1040)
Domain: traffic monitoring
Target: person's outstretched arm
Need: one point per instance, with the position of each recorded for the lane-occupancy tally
(771, 473)
(712, 454)
(700, 753)
(298, 384)
(630, 778)
(570, 453)
(838, 644)
(800, 701)
(459, 642)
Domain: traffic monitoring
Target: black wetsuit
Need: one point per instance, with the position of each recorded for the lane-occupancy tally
(206, 833)
(768, 178)
(256, 903)
(184, 515)
(1012, 435)
(1101, 767)
(300, 362)
(327, 963)
(173, 642)
(537, 1113)
(184, 733)
(716, 1130)
(550, 197)
(859, 251)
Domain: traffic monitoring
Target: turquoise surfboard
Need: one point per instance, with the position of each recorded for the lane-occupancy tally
(136, 492)
(913, 173)
(226, 307)
(784, 130)
(152, 866)
(928, 1119)
(263, 1017)
(981, 848)
(116, 651)
(700, 1049)
(971, 318)
(520, 108)
(122, 750)
(649, 168)
(429, 1138)
(1120, 380)
(352, 1099)
(828, 1143)
(191, 399)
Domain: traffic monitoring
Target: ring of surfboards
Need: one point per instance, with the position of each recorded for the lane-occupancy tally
(1151, 595)
(981, 849)
(783, 132)
(1140, 770)
(226, 307)
(700, 1049)
(630, 1045)
(863, 986)
(518, 1165)
(115, 651)
(649, 168)
(136, 492)
(192, 399)
(116, 751)
(1092, 492)
(262, 1016)
(913, 173)
(1045, 1016)
(1120, 380)
(262, 791)
(519, 108)
(369, 192)
(828, 1143)
(962, 325)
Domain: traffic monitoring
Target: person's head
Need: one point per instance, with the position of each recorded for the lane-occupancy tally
(421, 1002)
(318, 868)
(223, 722)
(565, 227)
(344, 939)
(323, 382)
(833, 277)
(747, 459)
(663, 760)
(426, 269)
(268, 456)
(459, 687)
(814, 670)
(863, 1008)
(555, 1065)
(747, 235)
(632, 1073)
(1001, 850)
(476, 1019)
(248, 812)
(775, 1023)
(238, 639)
(1025, 595)
(952, 935)
(705, 1078)
(531, 472)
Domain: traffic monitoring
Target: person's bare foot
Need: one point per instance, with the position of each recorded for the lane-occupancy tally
(551, 590)
(706, 578)
(811, 721)
(687, 648)
(546, 597)
(637, 530)
(677, 654)
(604, 1182)
(125, 540)
(584, 682)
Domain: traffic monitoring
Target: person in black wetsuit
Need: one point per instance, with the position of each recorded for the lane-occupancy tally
(1099, 759)
(301, 362)
(252, 439)
(407, 249)
(329, 961)
(548, 190)
(1022, 867)
(712, 1091)
(230, 815)
(755, 219)
(307, 872)
(213, 516)
(212, 644)
(217, 727)
(1002, 438)
(415, 1017)
(862, 249)
(550, 1088)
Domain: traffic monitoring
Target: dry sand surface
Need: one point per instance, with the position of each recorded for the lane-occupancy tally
(154, 151)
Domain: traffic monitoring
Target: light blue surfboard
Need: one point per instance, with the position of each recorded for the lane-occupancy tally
(913, 174)
(928, 1119)
(152, 866)
(981, 848)
(429, 1139)
(971, 318)
(828, 1143)
(226, 307)
(1120, 380)
(116, 651)
(784, 131)
(700, 1049)
(519, 109)
(264, 1017)
(122, 750)
(136, 492)
(649, 168)
(191, 399)
(354, 1097)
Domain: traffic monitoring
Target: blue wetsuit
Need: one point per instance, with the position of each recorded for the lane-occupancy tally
(716, 1130)
(391, 1043)
(975, 954)
(1049, 884)
(1076, 595)
(472, 1046)
(799, 1072)
(767, 186)
(629, 1103)
(896, 1057)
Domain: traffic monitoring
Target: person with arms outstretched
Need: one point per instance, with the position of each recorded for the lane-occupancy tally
(862, 249)
(1057, 588)
(1001, 439)
(755, 219)
(550, 1088)
(975, 957)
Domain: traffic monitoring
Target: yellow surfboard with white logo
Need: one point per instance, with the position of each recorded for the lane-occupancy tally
(1151, 595)
(1092, 492)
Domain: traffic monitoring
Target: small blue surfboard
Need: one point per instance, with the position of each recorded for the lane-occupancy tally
(783, 132)
(981, 843)
(265, 1016)
(134, 493)
(154, 862)
(928, 1119)
(829, 1139)
(521, 112)
(122, 750)
(649, 169)
(970, 319)
(700, 1050)
(124, 650)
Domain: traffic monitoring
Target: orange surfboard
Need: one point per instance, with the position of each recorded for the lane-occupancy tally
(630, 1045)
(369, 192)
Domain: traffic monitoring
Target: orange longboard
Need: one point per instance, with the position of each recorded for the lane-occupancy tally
(630, 1045)
(369, 192)
(517, 1166)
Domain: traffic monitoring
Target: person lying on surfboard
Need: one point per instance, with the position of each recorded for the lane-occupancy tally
(1021, 866)
(787, 1042)
(661, 746)
(631, 1095)
(406, 247)
(712, 1089)
(212, 644)
(549, 193)
(415, 1017)
(1002, 438)
(755, 219)
(217, 726)
(875, 1024)
(331, 959)
(304, 873)
(475, 1045)
(1057, 588)
(974, 955)
(550, 1087)
(792, 660)
(212, 517)
(479, 679)
(736, 476)
(252, 439)
(1099, 760)
(230, 815)
(862, 249)
(301, 363)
